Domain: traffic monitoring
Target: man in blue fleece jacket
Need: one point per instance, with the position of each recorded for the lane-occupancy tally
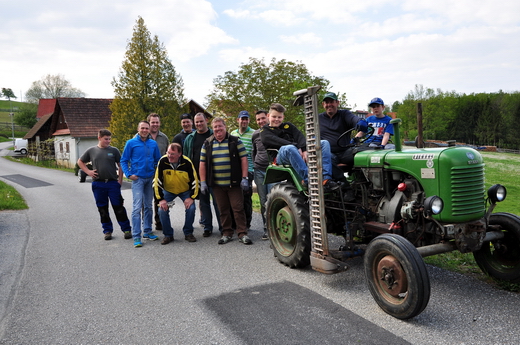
(139, 159)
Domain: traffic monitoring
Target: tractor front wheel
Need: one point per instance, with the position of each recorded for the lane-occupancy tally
(396, 275)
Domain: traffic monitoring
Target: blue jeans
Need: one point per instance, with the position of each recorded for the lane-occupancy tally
(105, 192)
(188, 218)
(142, 193)
(289, 155)
(262, 190)
(205, 208)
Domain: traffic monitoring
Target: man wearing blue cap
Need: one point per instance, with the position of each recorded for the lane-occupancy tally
(383, 129)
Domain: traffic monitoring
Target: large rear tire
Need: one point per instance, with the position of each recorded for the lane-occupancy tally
(287, 214)
(397, 276)
(501, 258)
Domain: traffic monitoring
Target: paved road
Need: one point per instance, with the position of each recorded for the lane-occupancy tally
(61, 283)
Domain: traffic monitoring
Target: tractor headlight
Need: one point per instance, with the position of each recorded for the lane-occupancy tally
(497, 193)
(433, 205)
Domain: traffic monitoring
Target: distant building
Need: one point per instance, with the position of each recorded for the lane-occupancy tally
(73, 123)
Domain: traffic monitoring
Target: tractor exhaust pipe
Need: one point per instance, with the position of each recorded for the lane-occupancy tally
(397, 134)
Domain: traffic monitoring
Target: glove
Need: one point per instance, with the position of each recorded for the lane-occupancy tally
(244, 184)
(362, 126)
(203, 187)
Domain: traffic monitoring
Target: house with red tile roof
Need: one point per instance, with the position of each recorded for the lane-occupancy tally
(73, 123)
(45, 106)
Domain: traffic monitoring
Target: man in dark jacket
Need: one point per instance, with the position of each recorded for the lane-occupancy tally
(191, 149)
(187, 129)
(260, 163)
(224, 166)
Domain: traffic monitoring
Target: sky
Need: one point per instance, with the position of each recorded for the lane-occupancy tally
(366, 49)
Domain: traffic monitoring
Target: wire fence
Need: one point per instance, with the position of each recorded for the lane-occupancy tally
(9, 125)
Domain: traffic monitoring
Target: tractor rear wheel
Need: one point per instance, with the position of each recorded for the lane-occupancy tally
(501, 258)
(287, 214)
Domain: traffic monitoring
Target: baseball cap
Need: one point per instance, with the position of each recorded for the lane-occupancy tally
(330, 95)
(185, 116)
(243, 113)
(376, 100)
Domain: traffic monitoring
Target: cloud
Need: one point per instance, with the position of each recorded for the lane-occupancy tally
(238, 14)
(309, 38)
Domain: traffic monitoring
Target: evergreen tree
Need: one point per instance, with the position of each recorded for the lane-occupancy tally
(147, 83)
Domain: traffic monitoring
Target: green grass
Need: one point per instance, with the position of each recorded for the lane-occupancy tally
(51, 164)
(504, 168)
(10, 199)
(6, 130)
(4, 105)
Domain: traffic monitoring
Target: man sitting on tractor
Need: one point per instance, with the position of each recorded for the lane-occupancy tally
(338, 123)
(291, 146)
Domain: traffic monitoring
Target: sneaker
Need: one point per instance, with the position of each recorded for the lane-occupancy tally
(265, 236)
(207, 233)
(245, 240)
(137, 242)
(190, 238)
(128, 235)
(224, 240)
(167, 240)
(108, 236)
(330, 185)
(150, 236)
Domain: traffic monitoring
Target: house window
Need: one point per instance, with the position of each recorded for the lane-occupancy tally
(67, 147)
(61, 147)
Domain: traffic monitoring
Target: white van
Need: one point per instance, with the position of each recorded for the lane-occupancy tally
(20, 145)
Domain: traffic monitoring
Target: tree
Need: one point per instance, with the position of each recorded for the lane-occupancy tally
(26, 116)
(51, 86)
(8, 93)
(147, 82)
(256, 85)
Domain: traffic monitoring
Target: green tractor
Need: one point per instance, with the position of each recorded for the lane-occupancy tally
(398, 207)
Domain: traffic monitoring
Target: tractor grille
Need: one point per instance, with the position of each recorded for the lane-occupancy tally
(467, 190)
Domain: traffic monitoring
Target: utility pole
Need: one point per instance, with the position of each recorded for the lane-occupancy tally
(12, 120)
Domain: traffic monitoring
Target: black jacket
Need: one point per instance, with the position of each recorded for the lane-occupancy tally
(285, 134)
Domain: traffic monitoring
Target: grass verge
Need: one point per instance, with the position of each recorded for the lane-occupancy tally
(10, 199)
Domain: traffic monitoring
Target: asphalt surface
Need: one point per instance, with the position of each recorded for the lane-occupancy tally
(61, 283)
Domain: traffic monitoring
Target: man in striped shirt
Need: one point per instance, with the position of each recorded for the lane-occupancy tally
(223, 166)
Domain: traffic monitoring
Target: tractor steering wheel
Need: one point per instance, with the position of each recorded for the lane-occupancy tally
(358, 142)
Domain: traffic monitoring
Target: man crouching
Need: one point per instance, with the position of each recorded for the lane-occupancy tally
(175, 176)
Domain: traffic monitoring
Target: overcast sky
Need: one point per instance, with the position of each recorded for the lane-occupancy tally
(370, 48)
